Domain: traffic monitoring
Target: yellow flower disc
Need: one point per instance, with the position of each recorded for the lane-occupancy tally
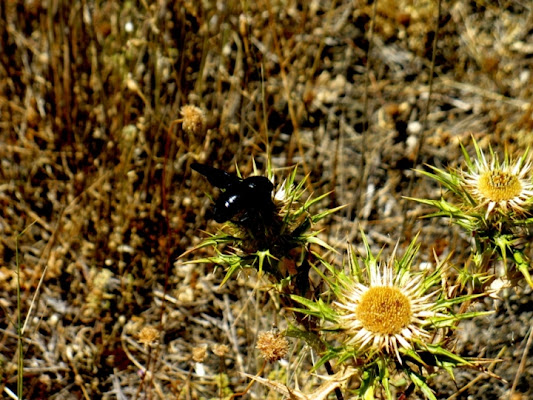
(499, 186)
(384, 310)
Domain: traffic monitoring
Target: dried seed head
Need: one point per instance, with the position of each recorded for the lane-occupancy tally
(148, 335)
(193, 120)
(220, 350)
(272, 345)
(199, 353)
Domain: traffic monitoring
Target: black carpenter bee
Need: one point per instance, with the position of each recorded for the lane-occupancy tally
(242, 200)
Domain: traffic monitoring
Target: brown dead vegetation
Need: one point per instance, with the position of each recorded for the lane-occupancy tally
(96, 174)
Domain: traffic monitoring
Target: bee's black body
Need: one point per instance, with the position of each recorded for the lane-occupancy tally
(242, 200)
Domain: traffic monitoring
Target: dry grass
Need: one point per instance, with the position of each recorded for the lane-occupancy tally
(94, 168)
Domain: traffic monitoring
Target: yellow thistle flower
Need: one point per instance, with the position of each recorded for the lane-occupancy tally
(504, 187)
(492, 204)
(388, 313)
(388, 319)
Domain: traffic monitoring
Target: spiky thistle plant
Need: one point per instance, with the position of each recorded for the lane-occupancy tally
(492, 201)
(387, 321)
(275, 239)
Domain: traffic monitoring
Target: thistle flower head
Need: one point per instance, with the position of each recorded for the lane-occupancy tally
(388, 318)
(388, 310)
(492, 204)
(496, 186)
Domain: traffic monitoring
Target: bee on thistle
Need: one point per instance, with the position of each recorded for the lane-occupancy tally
(266, 225)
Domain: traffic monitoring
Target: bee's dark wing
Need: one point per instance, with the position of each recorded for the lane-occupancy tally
(216, 177)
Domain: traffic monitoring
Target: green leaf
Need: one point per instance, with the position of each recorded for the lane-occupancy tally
(366, 391)
(438, 351)
(466, 156)
(413, 355)
(316, 308)
(234, 266)
(317, 217)
(448, 303)
(449, 321)
(310, 338)
(320, 242)
(420, 382)
(523, 265)
(313, 200)
(384, 376)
